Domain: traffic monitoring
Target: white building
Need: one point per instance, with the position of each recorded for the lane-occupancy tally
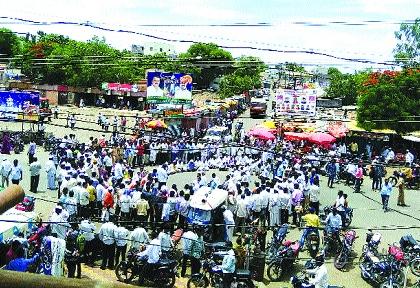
(151, 48)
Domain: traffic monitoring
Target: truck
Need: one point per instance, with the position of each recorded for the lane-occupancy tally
(258, 108)
(24, 105)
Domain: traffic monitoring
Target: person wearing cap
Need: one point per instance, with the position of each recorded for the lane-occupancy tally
(312, 223)
(51, 173)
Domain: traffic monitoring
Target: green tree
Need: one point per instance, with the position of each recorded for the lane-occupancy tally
(407, 50)
(9, 43)
(345, 86)
(246, 76)
(390, 100)
(206, 61)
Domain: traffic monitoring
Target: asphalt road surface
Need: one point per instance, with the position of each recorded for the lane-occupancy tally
(367, 209)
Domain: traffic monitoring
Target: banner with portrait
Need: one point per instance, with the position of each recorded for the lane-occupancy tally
(168, 87)
(296, 102)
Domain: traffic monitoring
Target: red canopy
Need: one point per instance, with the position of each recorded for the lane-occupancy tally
(321, 138)
(262, 133)
(294, 136)
(338, 131)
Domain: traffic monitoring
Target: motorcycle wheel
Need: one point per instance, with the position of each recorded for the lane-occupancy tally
(244, 284)
(216, 281)
(166, 280)
(415, 266)
(340, 260)
(347, 222)
(197, 282)
(389, 285)
(274, 271)
(393, 181)
(124, 272)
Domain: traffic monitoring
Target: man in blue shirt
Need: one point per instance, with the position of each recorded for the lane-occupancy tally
(385, 193)
(20, 263)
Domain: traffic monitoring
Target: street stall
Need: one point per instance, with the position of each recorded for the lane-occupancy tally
(262, 133)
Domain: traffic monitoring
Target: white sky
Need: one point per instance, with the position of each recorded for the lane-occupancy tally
(374, 41)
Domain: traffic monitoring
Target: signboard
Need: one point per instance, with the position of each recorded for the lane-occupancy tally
(168, 87)
(173, 112)
(13, 103)
(296, 102)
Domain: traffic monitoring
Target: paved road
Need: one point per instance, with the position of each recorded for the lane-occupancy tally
(367, 213)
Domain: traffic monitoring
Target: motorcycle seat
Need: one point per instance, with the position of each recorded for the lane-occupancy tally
(166, 262)
(243, 273)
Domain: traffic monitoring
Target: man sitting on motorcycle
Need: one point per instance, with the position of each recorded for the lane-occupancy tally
(152, 253)
(312, 224)
(318, 276)
(333, 222)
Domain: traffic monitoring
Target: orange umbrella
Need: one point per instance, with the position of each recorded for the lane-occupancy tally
(156, 124)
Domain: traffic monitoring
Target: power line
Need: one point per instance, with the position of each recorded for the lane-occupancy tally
(88, 24)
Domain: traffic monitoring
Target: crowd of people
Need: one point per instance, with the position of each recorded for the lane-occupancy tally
(124, 184)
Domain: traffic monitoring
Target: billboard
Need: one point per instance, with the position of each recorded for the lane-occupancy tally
(168, 87)
(15, 103)
(296, 102)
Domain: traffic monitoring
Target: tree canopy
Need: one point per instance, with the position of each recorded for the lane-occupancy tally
(390, 100)
(407, 50)
(9, 43)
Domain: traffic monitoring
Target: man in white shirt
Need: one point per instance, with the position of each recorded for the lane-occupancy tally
(125, 202)
(83, 196)
(154, 90)
(186, 241)
(16, 172)
(319, 275)
(61, 216)
(51, 173)
(121, 239)
(35, 169)
(409, 158)
(118, 170)
(138, 237)
(152, 252)
(107, 234)
(87, 229)
(5, 171)
(162, 175)
(274, 209)
(166, 243)
(284, 200)
(241, 214)
(229, 223)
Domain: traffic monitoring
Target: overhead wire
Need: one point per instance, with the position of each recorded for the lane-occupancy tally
(88, 24)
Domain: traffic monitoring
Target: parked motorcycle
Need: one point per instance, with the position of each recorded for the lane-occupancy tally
(283, 260)
(213, 275)
(342, 258)
(277, 242)
(331, 242)
(384, 271)
(161, 274)
(312, 243)
(411, 249)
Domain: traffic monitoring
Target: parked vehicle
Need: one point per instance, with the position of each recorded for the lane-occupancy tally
(162, 274)
(283, 260)
(411, 249)
(213, 275)
(331, 242)
(312, 243)
(343, 256)
(205, 209)
(258, 108)
(277, 242)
